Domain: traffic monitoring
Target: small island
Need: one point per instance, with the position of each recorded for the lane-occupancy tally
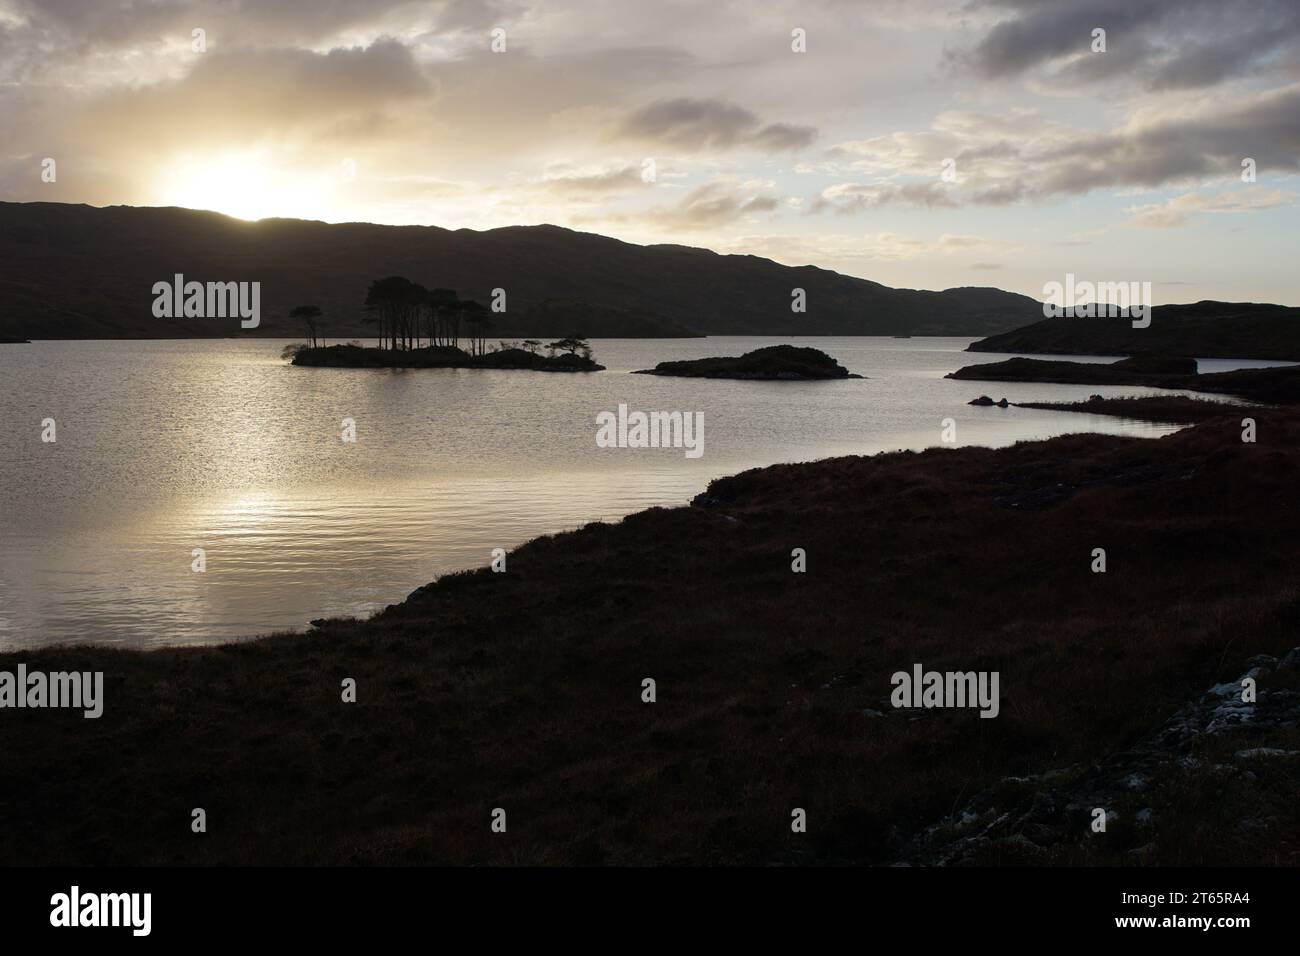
(442, 356)
(10, 340)
(773, 363)
(408, 315)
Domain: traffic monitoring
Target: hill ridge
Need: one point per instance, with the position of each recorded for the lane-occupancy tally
(82, 271)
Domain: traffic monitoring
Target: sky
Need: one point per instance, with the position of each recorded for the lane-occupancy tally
(918, 143)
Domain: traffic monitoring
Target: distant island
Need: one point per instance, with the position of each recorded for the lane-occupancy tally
(406, 315)
(1275, 384)
(1243, 330)
(773, 363)
(440, 356)
(11, 340)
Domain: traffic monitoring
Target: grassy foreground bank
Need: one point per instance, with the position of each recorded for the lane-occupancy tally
(522, 690)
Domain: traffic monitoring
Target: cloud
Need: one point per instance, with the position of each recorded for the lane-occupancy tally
(1209, 138)
(1181, 209)
(105, 27)
(437, 128)
(950, 242)
(695, 125)
(243, 95)
(711, 205)
(396, 116)
(1161, 44)
(1020, 156)
(854, 197)
(719, 202)
(594, 182)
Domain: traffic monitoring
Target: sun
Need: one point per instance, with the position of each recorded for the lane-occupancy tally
(243, 184)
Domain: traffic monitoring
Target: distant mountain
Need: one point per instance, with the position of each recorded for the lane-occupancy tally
(75, 271)
(1244, 330)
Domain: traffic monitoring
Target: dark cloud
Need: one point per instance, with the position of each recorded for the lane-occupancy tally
(1265, 128)
(1028, 159)
(1001, 194)
(780, 137)
(88, 25)
(716, 203)
(245, 94)
(1164, 44)
(578, 185)
(703, 124)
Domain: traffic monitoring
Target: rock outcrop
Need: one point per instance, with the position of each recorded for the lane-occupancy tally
(1216, 741)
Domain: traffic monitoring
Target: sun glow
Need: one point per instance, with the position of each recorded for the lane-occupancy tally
(246, 185)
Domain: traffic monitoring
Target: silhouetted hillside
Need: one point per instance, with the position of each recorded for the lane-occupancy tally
(76, 271)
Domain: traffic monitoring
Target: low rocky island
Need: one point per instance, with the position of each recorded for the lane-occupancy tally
(774, 363)
(10, 340)
(441, 356)
(1174, 409)
(1275, 385)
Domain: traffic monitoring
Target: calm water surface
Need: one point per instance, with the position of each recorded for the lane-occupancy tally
(167, 446)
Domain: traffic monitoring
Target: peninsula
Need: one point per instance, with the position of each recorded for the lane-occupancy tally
(1274, 385)
(1241, 330)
